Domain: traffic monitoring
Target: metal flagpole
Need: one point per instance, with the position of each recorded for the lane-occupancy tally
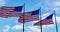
(56, 22)
(23, 16)
(40, 19)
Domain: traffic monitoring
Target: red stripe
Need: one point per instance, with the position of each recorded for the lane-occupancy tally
(14, 14)
(3, 7)
(6, 10)
(29, 18)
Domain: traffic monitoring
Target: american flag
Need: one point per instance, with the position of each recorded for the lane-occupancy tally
(30, 16)
(12, 8)
(10, 11)
(47, 21)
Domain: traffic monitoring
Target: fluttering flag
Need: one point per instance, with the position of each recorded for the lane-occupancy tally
(11, 8)
(47, 21)
(10, 11)
(30, 16)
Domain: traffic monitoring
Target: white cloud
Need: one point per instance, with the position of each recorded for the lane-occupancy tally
(17, 27)
(56, 9)
(48, 26)
(27, 28)
(56, 3)
(2, 2)
(57, 19)
(6, 28)
(34, 29)
(45, 15)
(35, 21)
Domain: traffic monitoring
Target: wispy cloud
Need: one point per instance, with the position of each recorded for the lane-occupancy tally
(2, 2)
(57, 18)
(56, 3)
(6, 28)
(17, 27)
(34, 29)
(27, 28)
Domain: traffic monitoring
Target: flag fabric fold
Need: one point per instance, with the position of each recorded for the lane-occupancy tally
(47, 21)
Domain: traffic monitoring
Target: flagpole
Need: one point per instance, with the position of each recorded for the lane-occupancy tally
(56, 22)
(40, 20)
(23, 16)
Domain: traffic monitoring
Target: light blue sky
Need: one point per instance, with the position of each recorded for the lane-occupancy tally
(11, 24)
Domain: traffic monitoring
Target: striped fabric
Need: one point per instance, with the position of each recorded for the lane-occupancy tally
(30, 16)
(10, 11)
